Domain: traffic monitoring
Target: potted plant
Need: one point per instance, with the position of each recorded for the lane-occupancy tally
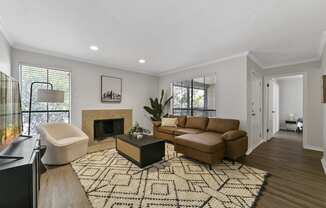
(137, 131)
(157, 107)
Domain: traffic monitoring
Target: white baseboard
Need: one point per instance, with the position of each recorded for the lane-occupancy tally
(250, 150)
(323, 163)
(311, 147)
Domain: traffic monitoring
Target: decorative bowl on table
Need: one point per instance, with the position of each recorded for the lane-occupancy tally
(137, 131)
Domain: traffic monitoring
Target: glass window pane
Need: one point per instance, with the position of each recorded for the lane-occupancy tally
(29, 75)
(180, 97)
(60, 80)
(36, 120)
(198, 98)
(59, 117)
(195, 97)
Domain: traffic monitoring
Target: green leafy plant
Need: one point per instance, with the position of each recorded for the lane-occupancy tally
(157, 107)
(138, 129)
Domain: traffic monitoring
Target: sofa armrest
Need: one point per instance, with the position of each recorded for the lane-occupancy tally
(233, 135)
(156, 123)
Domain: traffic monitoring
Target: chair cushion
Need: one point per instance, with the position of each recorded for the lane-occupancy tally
(181, 131)
(70, 140)
(220, 125)
(206, 142)
(167, 129)
(196, 122)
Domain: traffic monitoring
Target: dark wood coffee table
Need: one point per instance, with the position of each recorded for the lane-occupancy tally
(142, 152)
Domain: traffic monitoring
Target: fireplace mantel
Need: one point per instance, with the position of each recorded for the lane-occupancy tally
(88, 117)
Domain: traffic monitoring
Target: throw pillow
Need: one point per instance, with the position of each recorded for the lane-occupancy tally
(171, 122)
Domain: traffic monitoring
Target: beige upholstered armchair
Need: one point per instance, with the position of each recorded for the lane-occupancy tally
(64, 142)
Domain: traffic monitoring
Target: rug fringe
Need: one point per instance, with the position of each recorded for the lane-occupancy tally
(261, 190)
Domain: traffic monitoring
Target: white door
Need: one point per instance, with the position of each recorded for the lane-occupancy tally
(255, 111)
(275, 107)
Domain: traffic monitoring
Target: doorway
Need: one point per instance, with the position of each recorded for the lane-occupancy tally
(285, 107)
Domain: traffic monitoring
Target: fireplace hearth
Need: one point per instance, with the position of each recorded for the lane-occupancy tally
(105, 128)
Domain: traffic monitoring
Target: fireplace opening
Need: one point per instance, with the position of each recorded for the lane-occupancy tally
(108, 128)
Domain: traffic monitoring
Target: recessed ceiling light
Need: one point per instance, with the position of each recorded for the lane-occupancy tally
(93, 47)
(142, 61)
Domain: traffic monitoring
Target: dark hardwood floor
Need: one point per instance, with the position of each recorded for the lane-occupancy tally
(297, 179)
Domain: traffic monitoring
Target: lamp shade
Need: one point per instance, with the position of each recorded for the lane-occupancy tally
(50, 96)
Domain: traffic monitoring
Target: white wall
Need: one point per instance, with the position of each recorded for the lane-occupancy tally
(231, 82)
(5, 52)
(231, 95)
(312, 101)
(290, 99)
(136, 89)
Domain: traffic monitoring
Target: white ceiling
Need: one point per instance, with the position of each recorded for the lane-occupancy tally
(169, 34)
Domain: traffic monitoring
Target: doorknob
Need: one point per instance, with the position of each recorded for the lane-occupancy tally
(253, 114)
(273, 111)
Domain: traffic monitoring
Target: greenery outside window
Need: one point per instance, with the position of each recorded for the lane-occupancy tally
(44, 112)
(195, 97)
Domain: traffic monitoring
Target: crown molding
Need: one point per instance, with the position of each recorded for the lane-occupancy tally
(292, 63)
(175, 70)
(254, 58)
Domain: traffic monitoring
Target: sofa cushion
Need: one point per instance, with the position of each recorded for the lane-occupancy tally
(166, 129)
(206, 142)
(196, 122)
(181, 120)
(220, 125)
(234, 134)
(181, 131)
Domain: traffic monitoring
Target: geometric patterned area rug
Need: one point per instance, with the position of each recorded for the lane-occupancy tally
(110, 180)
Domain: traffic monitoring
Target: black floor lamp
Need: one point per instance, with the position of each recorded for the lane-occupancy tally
(44, 95)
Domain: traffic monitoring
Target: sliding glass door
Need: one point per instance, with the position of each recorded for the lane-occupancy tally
(194, 97)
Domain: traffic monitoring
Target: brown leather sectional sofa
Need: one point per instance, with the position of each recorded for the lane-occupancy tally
(205, 139)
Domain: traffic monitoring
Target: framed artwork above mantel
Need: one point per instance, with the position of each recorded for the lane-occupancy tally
(111, 89)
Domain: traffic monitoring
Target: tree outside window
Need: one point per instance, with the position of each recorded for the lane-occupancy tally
(44, 112)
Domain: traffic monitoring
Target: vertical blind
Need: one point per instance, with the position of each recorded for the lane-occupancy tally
(44, 112)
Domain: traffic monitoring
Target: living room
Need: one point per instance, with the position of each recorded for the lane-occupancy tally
(213, 134)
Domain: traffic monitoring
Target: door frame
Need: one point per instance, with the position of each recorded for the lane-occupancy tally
(267, 78)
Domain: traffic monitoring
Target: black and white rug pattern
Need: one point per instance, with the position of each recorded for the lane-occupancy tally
(110, 180)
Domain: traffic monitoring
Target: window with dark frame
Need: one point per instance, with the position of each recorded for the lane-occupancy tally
(190, 97)
(44, 112)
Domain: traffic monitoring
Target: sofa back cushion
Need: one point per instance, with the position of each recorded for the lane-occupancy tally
(181, 120)
(221, 125)
(196, 122)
